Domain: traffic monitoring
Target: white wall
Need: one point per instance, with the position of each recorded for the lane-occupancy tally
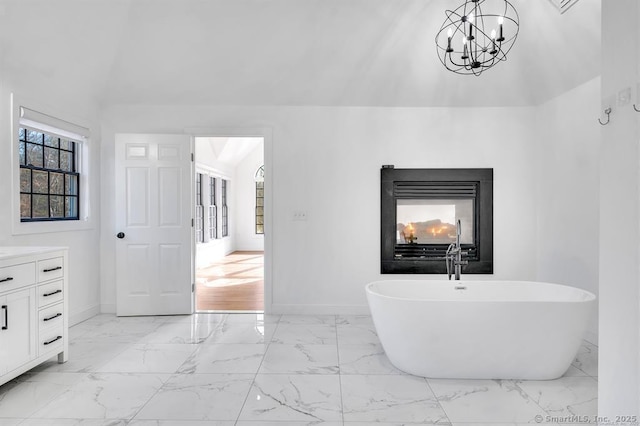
(567, 191)
(326, 161)
(84, 247)
(245, 193)
(619, 354)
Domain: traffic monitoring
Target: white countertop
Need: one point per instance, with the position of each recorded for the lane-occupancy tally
(15, 251)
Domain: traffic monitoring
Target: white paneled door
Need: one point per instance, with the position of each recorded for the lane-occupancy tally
(153, 224)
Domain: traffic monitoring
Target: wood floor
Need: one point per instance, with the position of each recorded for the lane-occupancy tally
(234, 283)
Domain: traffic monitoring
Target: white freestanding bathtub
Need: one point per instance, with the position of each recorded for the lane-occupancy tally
(480, 329)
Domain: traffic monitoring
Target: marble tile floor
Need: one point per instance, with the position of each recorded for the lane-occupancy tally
(267, 370)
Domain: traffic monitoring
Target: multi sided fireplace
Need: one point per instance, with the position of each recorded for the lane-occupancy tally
(419, 210)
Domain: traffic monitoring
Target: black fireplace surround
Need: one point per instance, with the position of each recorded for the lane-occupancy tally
(419, 247)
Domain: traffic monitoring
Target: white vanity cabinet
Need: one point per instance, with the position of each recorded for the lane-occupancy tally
(17, 328)
(33, 308)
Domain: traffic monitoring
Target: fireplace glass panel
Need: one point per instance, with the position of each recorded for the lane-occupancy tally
(433, 221)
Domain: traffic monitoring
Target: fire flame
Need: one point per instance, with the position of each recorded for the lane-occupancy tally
(438, 230)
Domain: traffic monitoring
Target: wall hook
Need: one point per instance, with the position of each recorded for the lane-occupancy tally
(636, 108)
(608, 112)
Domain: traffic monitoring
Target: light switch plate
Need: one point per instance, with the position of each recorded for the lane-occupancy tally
(300, 215)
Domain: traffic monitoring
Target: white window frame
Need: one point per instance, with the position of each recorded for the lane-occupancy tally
(29, 113)
(214, 204)
(208, 172)
(200, 220)
(224, 208)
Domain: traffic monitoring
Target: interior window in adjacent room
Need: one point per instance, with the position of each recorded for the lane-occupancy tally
(213, 209)
(225, 210)
(199, 222)
(259, 178)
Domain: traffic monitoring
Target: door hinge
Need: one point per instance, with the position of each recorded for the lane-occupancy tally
(192, 223)
(193, 287)
(192, 157)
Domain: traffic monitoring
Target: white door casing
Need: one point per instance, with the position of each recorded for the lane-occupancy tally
(266, 133)
(153, 224)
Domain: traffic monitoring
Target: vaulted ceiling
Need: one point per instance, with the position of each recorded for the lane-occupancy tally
(285, 52)
(226, 150)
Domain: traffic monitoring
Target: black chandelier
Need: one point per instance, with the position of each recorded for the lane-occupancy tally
(472, 40)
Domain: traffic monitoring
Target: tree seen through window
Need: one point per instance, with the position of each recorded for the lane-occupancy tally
(49, 181)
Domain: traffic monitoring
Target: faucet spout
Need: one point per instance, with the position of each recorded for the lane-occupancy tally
(453, 256)
(449, 259)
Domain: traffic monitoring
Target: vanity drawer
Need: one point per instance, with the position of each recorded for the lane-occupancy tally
(50, 269)
(51, 316)
(17, 276)
(50, 293)
(50, 339)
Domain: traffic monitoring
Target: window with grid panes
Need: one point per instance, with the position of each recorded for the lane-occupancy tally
(213, 209)
(260, 200)
(49, 180)
(225, 209)
(199, 220)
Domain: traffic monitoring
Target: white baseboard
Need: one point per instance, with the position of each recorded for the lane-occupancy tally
(277, 309)
(78, 317)
(108, 308)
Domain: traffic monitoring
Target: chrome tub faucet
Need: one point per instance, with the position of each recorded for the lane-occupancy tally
(453, 257)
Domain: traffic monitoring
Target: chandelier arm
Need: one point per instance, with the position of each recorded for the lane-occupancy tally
(453, 62)
(457, 69)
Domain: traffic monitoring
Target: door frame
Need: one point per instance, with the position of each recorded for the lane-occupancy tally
(266, 133)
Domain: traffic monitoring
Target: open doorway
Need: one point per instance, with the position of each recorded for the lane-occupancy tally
(229, 224)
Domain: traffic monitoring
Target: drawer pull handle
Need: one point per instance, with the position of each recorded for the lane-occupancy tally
(52, 340)
(52, 269)
(6, 279)
(5, 308)
(53, 317)
(52, 293)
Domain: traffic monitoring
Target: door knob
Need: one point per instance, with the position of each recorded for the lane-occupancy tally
(120, 235)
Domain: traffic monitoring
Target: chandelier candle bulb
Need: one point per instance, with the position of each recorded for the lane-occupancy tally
(500, 22)
(449, 35)
(493, 40)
